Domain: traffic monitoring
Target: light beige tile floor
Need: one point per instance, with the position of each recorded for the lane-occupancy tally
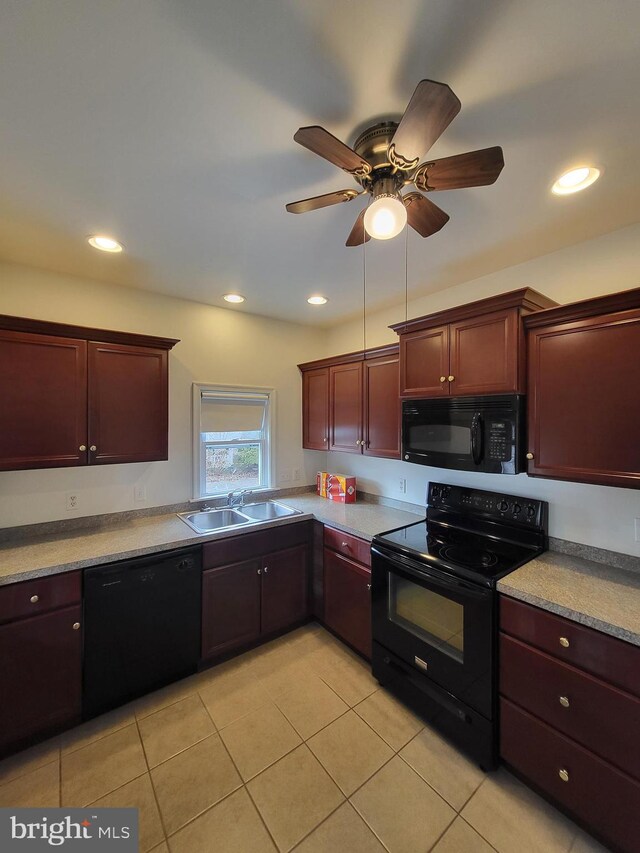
(292, 746)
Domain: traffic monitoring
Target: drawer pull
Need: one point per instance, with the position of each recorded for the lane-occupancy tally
(368, 586)
(564, 701)
(34, 599)
(563, 774)
(76, 626)
(344, 544)
(564, 642)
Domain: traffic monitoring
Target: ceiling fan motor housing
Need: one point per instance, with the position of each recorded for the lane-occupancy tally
(373, 146)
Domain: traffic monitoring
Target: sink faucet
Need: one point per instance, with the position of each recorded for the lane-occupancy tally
(237, 498)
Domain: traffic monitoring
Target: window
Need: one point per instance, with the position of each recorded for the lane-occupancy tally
(232, 438)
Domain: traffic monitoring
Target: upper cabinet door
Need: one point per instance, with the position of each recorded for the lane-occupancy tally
(382, 407)
(128, 413)
(424, 363)
(345, 402)
(484, 354)
(315, 409)
(43, 389)
(584, 405)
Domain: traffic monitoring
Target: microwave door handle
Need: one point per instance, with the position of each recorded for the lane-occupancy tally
(476, 438)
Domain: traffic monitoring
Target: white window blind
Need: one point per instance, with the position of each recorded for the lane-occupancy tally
(232, 439)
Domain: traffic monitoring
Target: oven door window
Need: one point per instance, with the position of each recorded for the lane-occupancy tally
(433, 618)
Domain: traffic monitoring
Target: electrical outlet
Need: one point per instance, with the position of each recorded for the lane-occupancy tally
(296, 474)
(72, 501)
(140, 493)
(637, 525)
(285, 475)
(403, 486)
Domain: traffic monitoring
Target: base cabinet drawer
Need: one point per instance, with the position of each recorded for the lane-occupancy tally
(596, 715)
(608, 658)
(592, 790)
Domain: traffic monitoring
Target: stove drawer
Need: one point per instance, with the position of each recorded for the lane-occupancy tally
(591, 790)
(612, 660)
(600, 717)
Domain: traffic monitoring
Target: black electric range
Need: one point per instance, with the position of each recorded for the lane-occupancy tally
(434, 606)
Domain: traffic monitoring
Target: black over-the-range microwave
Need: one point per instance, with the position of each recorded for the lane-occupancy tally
(468, 433)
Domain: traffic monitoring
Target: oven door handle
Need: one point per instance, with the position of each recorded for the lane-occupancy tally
(428, 577)
(477, 438)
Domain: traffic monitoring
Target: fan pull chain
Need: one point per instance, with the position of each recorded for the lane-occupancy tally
(406, 273)
(364, 289)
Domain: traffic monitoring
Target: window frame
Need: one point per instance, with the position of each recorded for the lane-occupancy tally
(198, 447)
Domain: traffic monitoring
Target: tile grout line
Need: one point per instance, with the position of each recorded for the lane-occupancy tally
(153, 787)
(243, 784)
(477, 830)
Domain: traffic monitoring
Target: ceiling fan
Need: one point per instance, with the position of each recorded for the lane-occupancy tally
(386, 157)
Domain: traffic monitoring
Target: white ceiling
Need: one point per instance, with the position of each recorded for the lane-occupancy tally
(169, 124)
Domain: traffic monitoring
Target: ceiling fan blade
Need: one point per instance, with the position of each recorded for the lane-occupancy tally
(432, 107)
(423, 215)
(358, 234)
(473, 169)
(318, 201)
(321, 142)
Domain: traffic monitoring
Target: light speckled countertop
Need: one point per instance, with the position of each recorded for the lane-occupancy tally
(594, 594)
(25, 560)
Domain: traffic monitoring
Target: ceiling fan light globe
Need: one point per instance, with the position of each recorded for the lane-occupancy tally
(385, 218)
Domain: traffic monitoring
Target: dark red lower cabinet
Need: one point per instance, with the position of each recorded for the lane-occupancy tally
(592, 790)
(246, 600)
(40, 676)
(347, 600)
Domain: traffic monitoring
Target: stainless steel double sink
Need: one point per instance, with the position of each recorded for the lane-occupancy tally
(227, 518)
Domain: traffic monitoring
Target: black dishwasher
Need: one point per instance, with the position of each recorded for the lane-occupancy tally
(141, 626)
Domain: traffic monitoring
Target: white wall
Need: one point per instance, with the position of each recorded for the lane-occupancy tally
(594, 515)
(217, 345)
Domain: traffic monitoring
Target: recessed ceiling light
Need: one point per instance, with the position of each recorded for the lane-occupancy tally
(105, 244)
(233, 297)
(575, 180)
(317, 300)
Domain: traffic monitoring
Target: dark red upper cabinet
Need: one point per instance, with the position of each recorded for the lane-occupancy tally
(477, 348)
(43, 389)
(381, 407)
(128, 411)
(315, 409)
(345, 402)
(584, 405)
(76, 396)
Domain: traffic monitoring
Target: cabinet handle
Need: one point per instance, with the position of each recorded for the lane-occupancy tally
(93, 448)
(266, 569)
(451, 378)
(368, 586)
(82, 447)
(76, 626)
(344, 544)
(443, 379)
(563, 774)
(34, 599)
(529, 455)
(564, 701)
(564, 642)
(259, 571)
(325, 439)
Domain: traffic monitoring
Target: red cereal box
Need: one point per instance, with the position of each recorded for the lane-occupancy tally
(341, 489)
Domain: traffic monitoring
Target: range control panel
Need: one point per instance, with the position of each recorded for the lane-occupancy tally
(494, 505)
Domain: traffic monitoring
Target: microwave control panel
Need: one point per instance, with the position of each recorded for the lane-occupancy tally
(500, 440)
